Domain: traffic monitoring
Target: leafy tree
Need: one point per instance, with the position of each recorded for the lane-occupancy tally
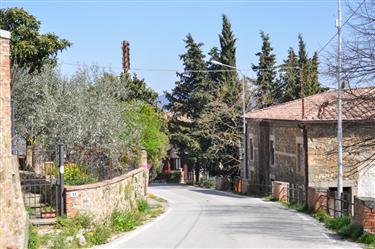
(30, 48)
(152, 126)
(268, 90)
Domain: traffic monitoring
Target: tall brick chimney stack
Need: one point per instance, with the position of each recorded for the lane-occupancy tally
(125, 56)
(13, 219)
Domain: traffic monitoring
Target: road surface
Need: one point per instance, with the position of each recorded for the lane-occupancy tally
(203, 218)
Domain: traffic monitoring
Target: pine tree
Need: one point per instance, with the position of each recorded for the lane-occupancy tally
(268, 91)
(289, 77)
(190, 93)
(187, 101)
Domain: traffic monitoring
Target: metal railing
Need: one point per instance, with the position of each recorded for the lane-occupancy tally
(297, 194)
(337, 206)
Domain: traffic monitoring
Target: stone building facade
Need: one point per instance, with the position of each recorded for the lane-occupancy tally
(13, 219)
(283, 145)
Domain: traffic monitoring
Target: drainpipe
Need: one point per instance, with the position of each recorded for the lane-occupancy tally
(305, 146)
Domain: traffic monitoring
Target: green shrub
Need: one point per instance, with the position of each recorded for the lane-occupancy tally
(99, 235)
(170, 177)
(367, 238)
(340, 222)
(77, 175)
(33, 242)
(143, 206)
(356, 232)
(323, 217)
(124, 221)
(207, 183)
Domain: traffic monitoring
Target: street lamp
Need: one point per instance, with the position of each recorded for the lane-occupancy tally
(244, 159)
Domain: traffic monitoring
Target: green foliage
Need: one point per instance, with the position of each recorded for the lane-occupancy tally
(123, 221)
(152, 128)
(138, 90)
(33, 242)
(367, 238)
(99, 235)
(268, 90)
(170, 177)
(143, 205)
(207, 183)
(77, 175)
(340, 222)
(323, 217)
(29, 48)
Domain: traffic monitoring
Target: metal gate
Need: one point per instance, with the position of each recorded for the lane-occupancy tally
(42, 191)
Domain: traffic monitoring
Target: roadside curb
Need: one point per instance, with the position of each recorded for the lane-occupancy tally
(123, 237)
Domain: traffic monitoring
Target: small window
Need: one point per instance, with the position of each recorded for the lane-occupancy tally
(299, 157)
(272, 153)
(251, 149)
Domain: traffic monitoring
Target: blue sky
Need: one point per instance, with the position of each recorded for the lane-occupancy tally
(156, 29)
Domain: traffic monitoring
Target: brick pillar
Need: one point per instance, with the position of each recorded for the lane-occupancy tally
(280, 191)
(13, 219)
(317, 198)
(364, 213)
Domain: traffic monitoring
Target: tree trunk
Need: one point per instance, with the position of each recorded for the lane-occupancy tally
(29, 157)
(38, 159)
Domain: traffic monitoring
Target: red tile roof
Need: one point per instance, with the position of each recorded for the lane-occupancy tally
(358, 104)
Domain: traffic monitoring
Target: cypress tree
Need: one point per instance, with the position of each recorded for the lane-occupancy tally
(289, 77)
(268, 91)
(310, 69)
(312, 82)
(228, 50)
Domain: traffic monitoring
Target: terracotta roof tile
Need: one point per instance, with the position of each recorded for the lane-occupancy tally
(358, 104)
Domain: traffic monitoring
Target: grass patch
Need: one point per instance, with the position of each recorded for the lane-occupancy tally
(343, 225)
(268, 198)
(143, 206)
(83, 232)
(123, 221)
(156, 198)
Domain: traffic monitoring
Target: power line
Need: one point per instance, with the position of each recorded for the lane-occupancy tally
(347, 20)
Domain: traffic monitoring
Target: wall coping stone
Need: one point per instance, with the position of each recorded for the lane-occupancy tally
(4, 34)
(106, 182)
(367, 201)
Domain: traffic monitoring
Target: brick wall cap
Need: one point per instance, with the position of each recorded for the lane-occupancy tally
(367, 201)
(106, 182)
(4, 34)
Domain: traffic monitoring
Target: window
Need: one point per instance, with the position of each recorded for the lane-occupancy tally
(299, 157)
(272, 153)
(251, 152)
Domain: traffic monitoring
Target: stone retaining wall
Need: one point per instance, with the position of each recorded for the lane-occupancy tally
(102, 198)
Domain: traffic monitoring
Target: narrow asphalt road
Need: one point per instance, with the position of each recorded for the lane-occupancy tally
(203, 218)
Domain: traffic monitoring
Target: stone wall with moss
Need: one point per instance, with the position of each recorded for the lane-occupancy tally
(102, 198)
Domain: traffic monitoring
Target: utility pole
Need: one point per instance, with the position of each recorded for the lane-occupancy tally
(339, 110)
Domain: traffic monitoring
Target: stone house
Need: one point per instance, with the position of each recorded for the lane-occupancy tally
(284, 144)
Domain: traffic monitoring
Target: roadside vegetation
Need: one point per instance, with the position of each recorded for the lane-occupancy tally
(343, 226)
(83, 232)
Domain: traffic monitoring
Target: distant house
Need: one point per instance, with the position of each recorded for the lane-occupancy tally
(283, 145)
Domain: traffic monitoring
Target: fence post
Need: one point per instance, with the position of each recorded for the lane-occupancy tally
(61, 165)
